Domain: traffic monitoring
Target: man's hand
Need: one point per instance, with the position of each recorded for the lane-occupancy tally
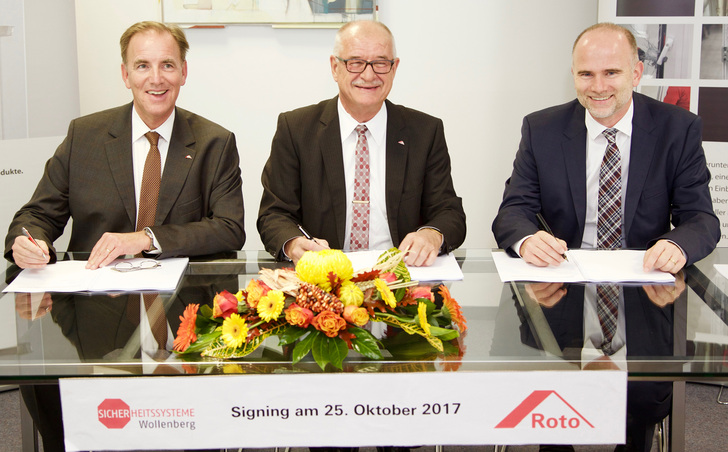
(422, 247)
(24, 305)
(295, 248)
(543, 249)
(112, 245)
(664, 294)
(27, 255)
(664, 256)
(546, 294)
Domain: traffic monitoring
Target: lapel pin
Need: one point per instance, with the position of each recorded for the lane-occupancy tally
(400, 142)
(188, 156)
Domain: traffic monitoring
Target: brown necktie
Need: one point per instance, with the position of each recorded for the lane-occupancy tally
(151, 180)
(157, 318)
(148, 195)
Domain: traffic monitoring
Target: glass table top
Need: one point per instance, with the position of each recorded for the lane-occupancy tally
(669, 332)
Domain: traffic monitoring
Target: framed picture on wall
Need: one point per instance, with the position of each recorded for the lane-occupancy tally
(303, 13)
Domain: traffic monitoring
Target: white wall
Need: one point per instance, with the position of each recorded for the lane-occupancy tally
(480, 65)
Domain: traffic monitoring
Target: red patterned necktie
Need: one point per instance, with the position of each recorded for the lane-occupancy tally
(360, 208)
(609, 234)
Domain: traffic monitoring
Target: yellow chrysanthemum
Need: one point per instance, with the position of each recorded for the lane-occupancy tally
(270, 306)
(386, 293)
(422, 316)
(351, 294)
(314, 266)
(234, 331)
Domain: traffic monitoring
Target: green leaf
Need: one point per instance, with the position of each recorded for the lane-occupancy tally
(302, 348)
(205, 311)
(291, 335)
(443, 332)
(365, 343)
(329, 350)
(203, 341)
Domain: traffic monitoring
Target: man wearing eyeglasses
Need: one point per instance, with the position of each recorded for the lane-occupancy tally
(329, 182)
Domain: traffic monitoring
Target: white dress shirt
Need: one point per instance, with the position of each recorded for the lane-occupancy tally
(379, 236)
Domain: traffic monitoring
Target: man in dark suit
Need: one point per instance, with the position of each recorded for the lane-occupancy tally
(309, 177)
(664, 177)
(95, 176)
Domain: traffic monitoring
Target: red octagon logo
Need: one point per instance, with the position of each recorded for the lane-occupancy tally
(114, 413)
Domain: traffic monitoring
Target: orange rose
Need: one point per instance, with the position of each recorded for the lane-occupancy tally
(256, 290)
(224, 304)
(355, 315)
(299, 316)
(329, 323)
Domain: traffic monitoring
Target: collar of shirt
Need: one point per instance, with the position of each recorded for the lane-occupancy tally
(596, 147)
(594, 129)
(379, 236)
(377, 126)
(138, 128)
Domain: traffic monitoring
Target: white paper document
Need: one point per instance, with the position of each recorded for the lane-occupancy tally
(582, 266)
(445, 268)
(72, 276)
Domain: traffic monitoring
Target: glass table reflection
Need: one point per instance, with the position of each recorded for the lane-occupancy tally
(671, 333)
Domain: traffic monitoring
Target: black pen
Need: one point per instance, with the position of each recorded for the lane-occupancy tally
(305, 233)
(546, 228)
(30, 237)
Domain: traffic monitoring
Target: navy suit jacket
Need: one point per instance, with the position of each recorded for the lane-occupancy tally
(303, 180)
(668, 180)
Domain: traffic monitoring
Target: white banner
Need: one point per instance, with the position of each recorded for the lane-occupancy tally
(342, 409)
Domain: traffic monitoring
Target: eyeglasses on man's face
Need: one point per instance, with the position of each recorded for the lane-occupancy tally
(129, 267)
(357, 65)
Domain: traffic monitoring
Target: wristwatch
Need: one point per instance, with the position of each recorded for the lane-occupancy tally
(149, 234)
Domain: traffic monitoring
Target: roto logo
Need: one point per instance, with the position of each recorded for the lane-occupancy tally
(573, 420)
(114, 413)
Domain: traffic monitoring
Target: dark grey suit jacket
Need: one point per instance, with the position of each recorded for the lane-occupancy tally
(90, 178)
(668, 180)
(303, 180)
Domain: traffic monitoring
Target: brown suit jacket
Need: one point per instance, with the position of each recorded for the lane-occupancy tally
(303, 180)
(90, 178)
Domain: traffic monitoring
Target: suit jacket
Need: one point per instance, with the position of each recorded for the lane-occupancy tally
(668, 180)
(303, 180)
(648, 327)
(90, 178)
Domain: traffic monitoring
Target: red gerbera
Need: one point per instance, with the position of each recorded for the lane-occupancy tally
(453, 308)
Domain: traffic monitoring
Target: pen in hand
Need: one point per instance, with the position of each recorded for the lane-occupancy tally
(305, 233)
(30, 237)
(546, 228)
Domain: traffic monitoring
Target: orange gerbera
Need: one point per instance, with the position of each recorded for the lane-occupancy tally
(452, 306)
(186, 331)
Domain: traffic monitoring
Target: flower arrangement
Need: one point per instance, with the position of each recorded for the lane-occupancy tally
(321, 307)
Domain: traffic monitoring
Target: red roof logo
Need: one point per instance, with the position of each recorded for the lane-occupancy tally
(114, 413)
(540, 420)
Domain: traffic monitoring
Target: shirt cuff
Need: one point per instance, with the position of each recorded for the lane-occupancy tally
(516, 247)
